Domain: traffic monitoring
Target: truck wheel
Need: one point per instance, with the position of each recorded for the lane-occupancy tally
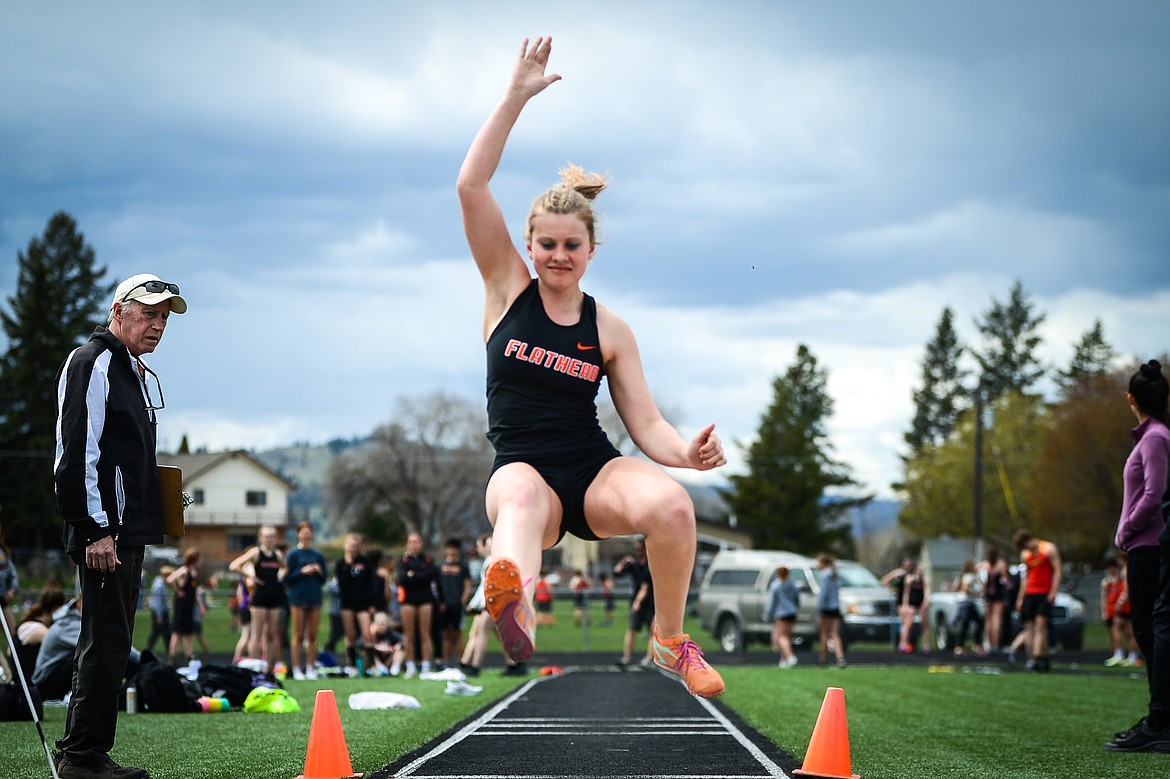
(730, 635)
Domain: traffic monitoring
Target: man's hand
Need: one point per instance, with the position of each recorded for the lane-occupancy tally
(102, 555)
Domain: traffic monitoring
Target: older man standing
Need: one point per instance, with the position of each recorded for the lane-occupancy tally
(107, 487)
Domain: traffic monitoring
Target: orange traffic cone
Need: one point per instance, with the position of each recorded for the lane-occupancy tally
(328, 755)
(828, 750)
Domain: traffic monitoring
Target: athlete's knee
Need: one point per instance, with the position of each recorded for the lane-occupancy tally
(672, 514)
(524, 496)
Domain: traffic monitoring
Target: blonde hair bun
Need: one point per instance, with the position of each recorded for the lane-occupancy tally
(590, 185)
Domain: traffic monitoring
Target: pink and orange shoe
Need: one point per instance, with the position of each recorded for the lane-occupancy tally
(509, 609)
(682, 657)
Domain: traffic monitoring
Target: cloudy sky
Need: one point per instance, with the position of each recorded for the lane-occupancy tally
(829, 173)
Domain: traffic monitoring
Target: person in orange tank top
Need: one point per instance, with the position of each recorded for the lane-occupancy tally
(1042, 575)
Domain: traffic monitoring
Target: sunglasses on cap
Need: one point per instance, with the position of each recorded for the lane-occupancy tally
(153, 287)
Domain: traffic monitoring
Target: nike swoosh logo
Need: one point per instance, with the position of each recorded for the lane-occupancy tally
(585, 348)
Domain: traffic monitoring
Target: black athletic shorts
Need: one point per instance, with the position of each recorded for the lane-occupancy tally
(450, 618)
(267, 598)
(1035, 605)
(569, 479)
(642, 618)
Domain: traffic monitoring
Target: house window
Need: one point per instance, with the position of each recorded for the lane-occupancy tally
(238, 543)
(197, 496)
(256, 498)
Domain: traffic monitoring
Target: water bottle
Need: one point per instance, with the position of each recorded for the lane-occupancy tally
(361, 666)
(131, 700)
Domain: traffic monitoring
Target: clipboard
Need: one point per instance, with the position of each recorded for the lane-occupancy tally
(170, 483)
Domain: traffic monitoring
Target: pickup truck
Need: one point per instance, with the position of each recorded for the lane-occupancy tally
(734, 594)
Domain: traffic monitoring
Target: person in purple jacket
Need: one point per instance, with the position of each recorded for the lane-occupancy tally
(1142, 533)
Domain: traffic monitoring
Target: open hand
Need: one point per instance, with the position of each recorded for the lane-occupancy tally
(528, 78)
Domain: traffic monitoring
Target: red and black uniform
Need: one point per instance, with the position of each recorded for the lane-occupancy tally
(542, 385)
(1038, 579)
(417, 577)
(454, 577)
(267, 591)
(185, 603)
(355, 583)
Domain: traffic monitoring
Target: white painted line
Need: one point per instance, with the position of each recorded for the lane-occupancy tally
(468, 729)
(745, 742)
(591, 776)
(546, 734)
(485, 722)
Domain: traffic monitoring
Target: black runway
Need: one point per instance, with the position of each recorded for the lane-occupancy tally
(598, 722)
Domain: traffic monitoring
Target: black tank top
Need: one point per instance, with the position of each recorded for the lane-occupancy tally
(542, 380)
(267, 574)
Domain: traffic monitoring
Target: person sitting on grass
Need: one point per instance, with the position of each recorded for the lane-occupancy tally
(53, 673)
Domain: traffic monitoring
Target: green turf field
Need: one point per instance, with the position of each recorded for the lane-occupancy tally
(903, 723)
(563, 636)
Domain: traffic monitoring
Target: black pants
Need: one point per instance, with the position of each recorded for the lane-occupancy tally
(1158, 668)
(968, 615)
(103, 648)
(1141, 581)
(160, 627)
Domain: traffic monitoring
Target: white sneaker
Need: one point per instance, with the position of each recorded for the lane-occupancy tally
(462, 688)
(395, 669)
(311, 674)
(351, 672)
(411, 671)
(426, 666)
(298, 674)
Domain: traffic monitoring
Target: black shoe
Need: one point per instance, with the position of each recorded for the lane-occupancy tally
(468, 670)
(1144, 739)
(1121, 734)
(107, 769)
(516, 669)
(622, 663)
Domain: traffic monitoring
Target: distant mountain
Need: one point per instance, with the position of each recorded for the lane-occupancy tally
(876, 517)
(307, 466)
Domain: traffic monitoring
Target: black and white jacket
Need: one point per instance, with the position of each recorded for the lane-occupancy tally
(105, 472)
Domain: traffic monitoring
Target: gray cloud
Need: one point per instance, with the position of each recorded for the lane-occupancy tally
(831, 173)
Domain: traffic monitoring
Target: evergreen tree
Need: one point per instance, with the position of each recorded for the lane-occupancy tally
(940, 399)
(1008, 361)
(1092, 357)
(939, 489)
(782, 499)
(59, 300)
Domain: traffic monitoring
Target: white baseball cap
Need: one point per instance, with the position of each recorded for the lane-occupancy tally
(149, 289)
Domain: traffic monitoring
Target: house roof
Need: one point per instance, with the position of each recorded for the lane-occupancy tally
(195, 465)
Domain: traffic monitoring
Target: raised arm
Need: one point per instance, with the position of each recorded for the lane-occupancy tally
(248, 557)
(503, 270)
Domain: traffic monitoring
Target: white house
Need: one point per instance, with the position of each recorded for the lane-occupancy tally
(234, 495)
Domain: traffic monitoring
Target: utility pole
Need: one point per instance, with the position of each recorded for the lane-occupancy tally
(978, 480)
